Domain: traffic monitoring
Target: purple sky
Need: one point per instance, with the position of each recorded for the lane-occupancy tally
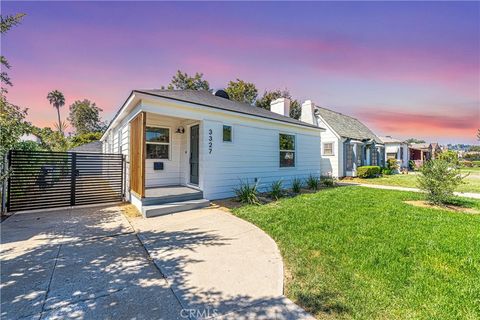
(406, 69)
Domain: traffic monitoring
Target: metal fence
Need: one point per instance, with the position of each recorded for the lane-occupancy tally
(39, 180)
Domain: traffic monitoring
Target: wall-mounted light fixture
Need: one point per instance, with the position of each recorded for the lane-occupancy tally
(180, 130)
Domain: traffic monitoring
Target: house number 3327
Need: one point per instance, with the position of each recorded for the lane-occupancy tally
(210, 141)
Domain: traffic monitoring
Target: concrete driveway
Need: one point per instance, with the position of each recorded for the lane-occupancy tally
(93, 263)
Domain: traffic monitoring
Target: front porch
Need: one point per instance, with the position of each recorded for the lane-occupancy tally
(164, 164)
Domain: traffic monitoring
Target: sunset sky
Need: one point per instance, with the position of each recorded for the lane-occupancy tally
(405, 69)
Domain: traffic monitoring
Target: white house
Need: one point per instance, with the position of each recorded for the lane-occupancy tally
(346, 142)
(189, 145)
(396, 149)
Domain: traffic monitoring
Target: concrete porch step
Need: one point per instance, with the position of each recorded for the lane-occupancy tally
(197, 195)
(172, 207)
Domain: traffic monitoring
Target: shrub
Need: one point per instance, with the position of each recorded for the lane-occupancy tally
(449, 156)
(392, 164)
(312, 182)
(247, 193)
(439, 179)
(466, 164)
(411, 165)
(368, 171)
(277, 190)
(387, 171)
(296, 185)
(327, 181)
(476, 163)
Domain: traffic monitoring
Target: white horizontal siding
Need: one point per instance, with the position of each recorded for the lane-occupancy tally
(253, 154)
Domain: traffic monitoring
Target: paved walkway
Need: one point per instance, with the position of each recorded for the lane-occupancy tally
(91, 263)
(376, 186)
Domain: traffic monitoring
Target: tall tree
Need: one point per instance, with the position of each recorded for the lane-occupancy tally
(269, 96)
(12, 118)
(182, 81)
(85, 117)
(57, 100)
(6, 23)
(242, 91)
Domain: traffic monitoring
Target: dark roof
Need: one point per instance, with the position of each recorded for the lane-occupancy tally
(92, 147)
(207, 99)
(346, 126)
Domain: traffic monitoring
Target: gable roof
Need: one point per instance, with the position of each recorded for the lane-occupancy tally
(346, 126)
(207, 99)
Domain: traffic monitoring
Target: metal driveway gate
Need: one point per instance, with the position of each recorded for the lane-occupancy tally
(40, 180)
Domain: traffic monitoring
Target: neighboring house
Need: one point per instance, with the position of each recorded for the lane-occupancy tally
(346, 143)
(396, 149)
(30, 137)
(421, 152)
(208, 143)
(91, 147)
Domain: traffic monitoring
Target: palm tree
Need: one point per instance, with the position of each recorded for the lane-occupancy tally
(57, 100)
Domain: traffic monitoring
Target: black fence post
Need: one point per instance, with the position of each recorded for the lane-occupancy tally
(73, 179)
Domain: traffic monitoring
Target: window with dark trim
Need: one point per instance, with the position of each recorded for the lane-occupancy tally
(358, 152)
(374, 156)
(227, 133)
(287, 150)
(157, 142)
(349, 155)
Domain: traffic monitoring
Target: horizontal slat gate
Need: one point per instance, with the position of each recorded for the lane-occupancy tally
(39, 180)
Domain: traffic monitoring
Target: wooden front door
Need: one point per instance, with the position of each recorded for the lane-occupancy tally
(194, 153)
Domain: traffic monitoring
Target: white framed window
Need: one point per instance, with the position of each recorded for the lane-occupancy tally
(287, 150)
(328, 149)
(157, 141)
(227, 133)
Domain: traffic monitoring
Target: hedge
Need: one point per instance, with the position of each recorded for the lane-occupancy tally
(368, 171)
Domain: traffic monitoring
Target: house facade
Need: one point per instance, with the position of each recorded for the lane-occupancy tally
(208, 143)
(346, 143)
(396, 149)
(421, 152)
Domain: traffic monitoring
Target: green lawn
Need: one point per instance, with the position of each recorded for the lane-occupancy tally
(359, 253)
(410, 180)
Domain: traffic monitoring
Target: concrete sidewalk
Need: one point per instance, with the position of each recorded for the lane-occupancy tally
(218, 264)
(80, 263)
(92, 264)
(377, 186)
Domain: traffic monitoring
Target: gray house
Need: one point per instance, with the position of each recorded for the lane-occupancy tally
(346, 143)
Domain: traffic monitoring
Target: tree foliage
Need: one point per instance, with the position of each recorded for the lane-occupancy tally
(269, 96)
(439, 178)
(51, 140)
(242, 91)
(12, 124)
(57, 100)
(413, 140)
(6, 23)
(85, 117)
(84, 138)
(182, 81)
(12, 118)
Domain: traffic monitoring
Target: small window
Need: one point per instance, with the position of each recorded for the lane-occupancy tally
(227, 134)
(391, 155)
(328, 149)
(287, 150)
(158, 143)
